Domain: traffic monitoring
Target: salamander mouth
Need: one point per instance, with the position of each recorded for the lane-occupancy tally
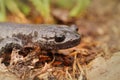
(69, 44)
(66, 45)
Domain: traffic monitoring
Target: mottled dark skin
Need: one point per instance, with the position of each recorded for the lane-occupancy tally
(49, 37)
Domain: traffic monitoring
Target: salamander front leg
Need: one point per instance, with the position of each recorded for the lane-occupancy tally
(8, 44)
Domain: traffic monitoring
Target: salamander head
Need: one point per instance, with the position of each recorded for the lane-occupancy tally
(55, 37)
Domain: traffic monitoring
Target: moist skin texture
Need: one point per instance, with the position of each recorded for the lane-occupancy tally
(49, 37)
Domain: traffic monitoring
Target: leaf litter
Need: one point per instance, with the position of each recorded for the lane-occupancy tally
(31, 62)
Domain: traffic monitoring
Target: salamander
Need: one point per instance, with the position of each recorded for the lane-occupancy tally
(48, 36)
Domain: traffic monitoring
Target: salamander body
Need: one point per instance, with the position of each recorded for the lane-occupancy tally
(49, 37)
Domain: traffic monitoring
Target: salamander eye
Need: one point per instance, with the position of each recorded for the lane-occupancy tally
(59, 38)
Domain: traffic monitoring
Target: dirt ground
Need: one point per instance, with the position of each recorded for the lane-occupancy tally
(107, 65)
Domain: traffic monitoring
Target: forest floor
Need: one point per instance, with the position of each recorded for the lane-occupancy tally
(97, 57)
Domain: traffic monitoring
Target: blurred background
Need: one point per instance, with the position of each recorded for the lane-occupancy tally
(42, 11)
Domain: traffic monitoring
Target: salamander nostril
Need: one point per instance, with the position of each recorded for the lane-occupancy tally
(74, 27)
